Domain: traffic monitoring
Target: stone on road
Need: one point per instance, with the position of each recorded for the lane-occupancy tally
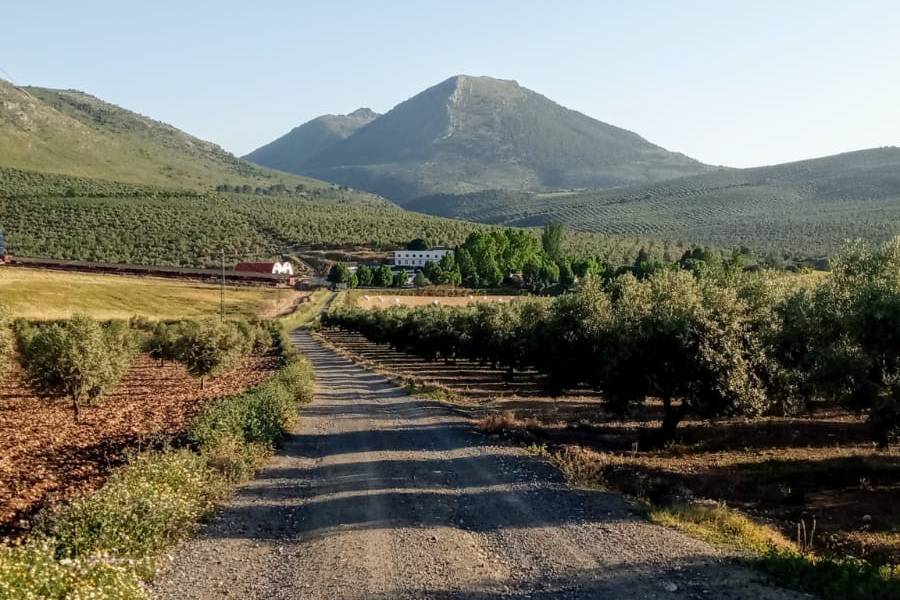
(378, 494)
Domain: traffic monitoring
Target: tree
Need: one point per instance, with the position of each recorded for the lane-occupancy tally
(400, 278)
(551, 240)
(434, 272)
(354, 280)
(419, 280)
(841, 340)
(79, 359)
(417, 244)
(384, 276)
(566, 275)
(364, 276)
(210, 346)
(338, 274)
(162, 344)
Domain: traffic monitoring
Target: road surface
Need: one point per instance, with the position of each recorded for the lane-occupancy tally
(381, 495)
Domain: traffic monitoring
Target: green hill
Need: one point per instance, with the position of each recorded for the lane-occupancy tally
(73, 133)
(291, 150)
(474, 133)
(803, 208)
(56, 216)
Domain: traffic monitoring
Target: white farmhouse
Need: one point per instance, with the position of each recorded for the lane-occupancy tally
(418, 258)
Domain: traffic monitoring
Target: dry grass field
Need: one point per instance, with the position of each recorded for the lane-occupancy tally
(46, 294)
(375, 300)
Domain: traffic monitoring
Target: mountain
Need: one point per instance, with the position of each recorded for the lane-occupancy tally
(293, 149)
(70, 132)
(806, 208)
(474, 133)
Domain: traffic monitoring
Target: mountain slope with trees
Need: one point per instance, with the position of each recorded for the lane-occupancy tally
(474, 133)
(803, 208)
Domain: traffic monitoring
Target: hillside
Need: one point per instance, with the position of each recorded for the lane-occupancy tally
(474, 133)
(73, 133)
(803, 208)
(290, 151)
(55, 216)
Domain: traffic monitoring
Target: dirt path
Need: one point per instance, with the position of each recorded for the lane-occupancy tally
(381, 495)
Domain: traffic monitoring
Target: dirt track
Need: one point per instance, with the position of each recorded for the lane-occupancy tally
(381, 495)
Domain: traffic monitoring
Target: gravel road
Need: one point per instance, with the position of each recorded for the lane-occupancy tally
(381, 495)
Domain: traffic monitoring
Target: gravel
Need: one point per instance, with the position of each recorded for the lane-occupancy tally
(381, 495)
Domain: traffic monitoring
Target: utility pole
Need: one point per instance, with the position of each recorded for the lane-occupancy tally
(222, 301)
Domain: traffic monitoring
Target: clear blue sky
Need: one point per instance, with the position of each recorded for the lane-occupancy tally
(740, 84)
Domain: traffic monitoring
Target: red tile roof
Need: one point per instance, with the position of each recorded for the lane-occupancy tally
(255, 267)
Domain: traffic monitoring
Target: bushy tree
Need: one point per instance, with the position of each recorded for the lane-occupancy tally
(400, 278)
(419, 280)
(384, 277)
(364, 276)
(162, 344)
(79, 359)
(210, 346)
(841, 339)
(338, 274)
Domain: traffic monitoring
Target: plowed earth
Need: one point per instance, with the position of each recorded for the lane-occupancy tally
(46, 457)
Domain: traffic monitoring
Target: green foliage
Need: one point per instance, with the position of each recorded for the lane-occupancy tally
(841, 340)
(339, 274)
(365, 276)
(33, 572)
(832, 578)
(142, 509)
(109, 222)
(79, 359)
(237, 429)
(210, 346)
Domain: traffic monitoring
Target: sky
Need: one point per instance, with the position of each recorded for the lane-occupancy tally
(732, 83)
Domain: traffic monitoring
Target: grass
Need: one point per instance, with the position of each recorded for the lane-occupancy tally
(307, 312)
(45, 294)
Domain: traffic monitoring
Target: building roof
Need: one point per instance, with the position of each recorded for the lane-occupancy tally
(255, 267)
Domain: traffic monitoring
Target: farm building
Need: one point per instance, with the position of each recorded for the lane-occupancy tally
(271, 268)
(418, 258)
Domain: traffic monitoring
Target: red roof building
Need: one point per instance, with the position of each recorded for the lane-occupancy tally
(269, 268)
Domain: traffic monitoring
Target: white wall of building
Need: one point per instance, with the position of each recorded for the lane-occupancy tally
(418, 258)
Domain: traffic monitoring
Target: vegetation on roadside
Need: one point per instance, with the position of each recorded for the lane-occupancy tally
(102, 545)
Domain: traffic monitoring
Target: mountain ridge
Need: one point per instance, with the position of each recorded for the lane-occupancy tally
(471, 133)
(70, 132)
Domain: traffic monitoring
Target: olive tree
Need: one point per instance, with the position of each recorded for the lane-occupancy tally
(210, 346)
(79, 358)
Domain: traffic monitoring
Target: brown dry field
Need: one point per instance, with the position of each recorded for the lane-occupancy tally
(46, 457)
(375, 300)
(778, 470)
